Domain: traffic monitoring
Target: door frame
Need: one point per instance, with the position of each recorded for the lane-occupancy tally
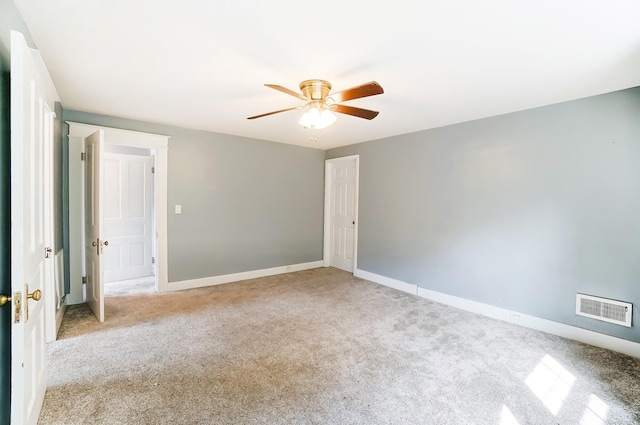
(159, 145)
(53, 314)
(328, 171)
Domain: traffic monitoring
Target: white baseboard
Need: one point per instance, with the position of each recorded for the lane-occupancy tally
(609, 342)
(234, 277)
(387, 281)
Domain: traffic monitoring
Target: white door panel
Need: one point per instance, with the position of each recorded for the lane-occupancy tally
(112, 207)
(32, 98)
(342, 212)
(128, 220)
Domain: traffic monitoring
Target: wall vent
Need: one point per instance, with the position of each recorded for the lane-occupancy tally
(611, 311)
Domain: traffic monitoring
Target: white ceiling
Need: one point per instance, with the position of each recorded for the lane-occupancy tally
(202, 64)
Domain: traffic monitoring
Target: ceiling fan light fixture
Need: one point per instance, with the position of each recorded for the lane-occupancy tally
(320, 104)
(318, 116)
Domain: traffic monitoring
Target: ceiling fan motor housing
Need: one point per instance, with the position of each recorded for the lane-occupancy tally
(315, 89)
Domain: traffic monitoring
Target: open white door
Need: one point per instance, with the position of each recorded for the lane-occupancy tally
(32, 102)
(94, 245)
(341, 210)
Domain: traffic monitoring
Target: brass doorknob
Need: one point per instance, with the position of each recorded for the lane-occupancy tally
(36, 295)
(94, 243)
(4, 299)
(106, 243)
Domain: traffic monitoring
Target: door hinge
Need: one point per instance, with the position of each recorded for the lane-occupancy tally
(153, 170)
(83, 156)
(153, 260)
(84, 279)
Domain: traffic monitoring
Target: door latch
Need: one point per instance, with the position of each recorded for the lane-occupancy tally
(36, 296)
(17, 302)
(47, 252)
(99, 245)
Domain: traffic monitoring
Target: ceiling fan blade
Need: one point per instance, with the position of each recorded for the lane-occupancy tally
(287, 91)
(368, 89)
(356, 112)
(274, 112)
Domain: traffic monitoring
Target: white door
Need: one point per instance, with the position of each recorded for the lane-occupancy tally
(94, 245)
(127, 216)
(341, 212)
(32, 102)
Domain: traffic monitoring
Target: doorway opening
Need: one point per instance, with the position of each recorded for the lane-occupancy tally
(119, 142)
(128, 221)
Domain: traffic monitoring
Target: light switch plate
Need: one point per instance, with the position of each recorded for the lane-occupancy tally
(178, 209)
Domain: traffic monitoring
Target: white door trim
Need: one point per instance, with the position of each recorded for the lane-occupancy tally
(159, 145)
(327, 209)
(52, 298)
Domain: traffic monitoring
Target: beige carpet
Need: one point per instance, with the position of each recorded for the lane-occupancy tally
(138, 286)
(323, 347)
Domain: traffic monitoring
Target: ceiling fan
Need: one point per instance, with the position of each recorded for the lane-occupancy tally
(320, 105)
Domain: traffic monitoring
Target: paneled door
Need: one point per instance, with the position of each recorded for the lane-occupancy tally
(32, 103)
(128, 216)
(341, 212)
(94, 244)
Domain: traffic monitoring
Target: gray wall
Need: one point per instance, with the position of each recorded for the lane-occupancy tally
(246, 204)
(57, 177)
(519, 211)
